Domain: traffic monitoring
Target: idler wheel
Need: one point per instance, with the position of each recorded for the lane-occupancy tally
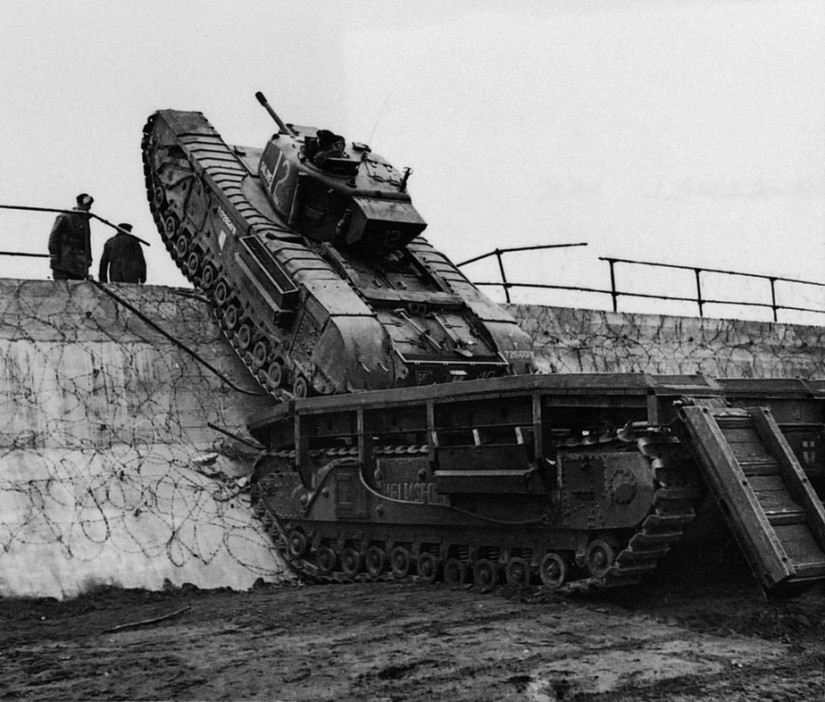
(181, 246)
(455, 572)
(245, 336)
(485, 573)
(599, 557)
(260, 352)
(221, 293)
(351, 562)
(231, 317)
(400, 562)
(517, 572)
(325, 559)
(427, 567)
(375, 561)
(193, 263)
(552, 570)
(297, 543)
(208, 276)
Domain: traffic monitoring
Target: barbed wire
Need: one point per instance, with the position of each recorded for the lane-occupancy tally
(102, 421)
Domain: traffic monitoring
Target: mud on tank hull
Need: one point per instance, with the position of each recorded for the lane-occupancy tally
(309, 316)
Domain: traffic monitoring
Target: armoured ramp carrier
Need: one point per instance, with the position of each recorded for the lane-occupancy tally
(310, 251)
(569, 480)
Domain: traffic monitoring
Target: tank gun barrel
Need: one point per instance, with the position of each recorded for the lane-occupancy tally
(283, 127)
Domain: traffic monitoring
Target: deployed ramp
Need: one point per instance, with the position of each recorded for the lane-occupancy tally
(768, 501)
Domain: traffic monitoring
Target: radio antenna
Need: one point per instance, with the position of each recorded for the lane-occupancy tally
(380, 114)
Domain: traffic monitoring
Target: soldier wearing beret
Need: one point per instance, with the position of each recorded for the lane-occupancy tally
(70, 247)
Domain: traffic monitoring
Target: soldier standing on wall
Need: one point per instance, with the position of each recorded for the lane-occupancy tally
(70, 246)
(122, 260)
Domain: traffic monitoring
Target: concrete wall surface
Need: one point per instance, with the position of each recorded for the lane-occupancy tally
(109, 473)
(594, 341)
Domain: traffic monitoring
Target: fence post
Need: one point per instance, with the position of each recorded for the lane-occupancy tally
(613, 293)
(504, 282)
(697, 271)
(773, 298)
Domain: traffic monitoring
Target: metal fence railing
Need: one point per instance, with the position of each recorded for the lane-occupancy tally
(21, 253)
(698, 297)
(614, 291)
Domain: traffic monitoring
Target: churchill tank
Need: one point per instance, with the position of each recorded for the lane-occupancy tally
(312, 255)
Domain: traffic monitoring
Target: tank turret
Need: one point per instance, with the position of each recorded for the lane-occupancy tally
(337, 192)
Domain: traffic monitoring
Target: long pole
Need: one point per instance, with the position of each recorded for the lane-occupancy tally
(91, 214)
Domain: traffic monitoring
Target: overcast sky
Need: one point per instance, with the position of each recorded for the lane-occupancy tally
(679, 132)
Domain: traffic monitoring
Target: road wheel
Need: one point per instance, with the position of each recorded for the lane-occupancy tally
(553, 570)
(400, 562)
(375, 561)
(485, 573)
(231, 316)
(245, 336)
(455, 572)
(181, 246)
(599, 557)
(517, 572)
(275, 375)
(193, 263)
(325, 559)
(158, 196)
(351, 562)
(260, 352)
(300, 388)
(221, 293)
(208, 276)
(297, 543)
(427, 567)
(170, 227)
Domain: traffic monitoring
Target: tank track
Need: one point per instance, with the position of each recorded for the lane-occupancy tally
(251, 343)
(677, 492)
(612, 560)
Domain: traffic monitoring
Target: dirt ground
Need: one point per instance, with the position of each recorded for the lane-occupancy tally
(687, 634)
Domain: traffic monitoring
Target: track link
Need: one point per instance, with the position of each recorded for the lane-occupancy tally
(210, 161)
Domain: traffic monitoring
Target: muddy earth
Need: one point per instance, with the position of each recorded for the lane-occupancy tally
(689, 633)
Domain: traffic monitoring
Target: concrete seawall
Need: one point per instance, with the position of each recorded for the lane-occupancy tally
(594, 341)
(110, 474)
